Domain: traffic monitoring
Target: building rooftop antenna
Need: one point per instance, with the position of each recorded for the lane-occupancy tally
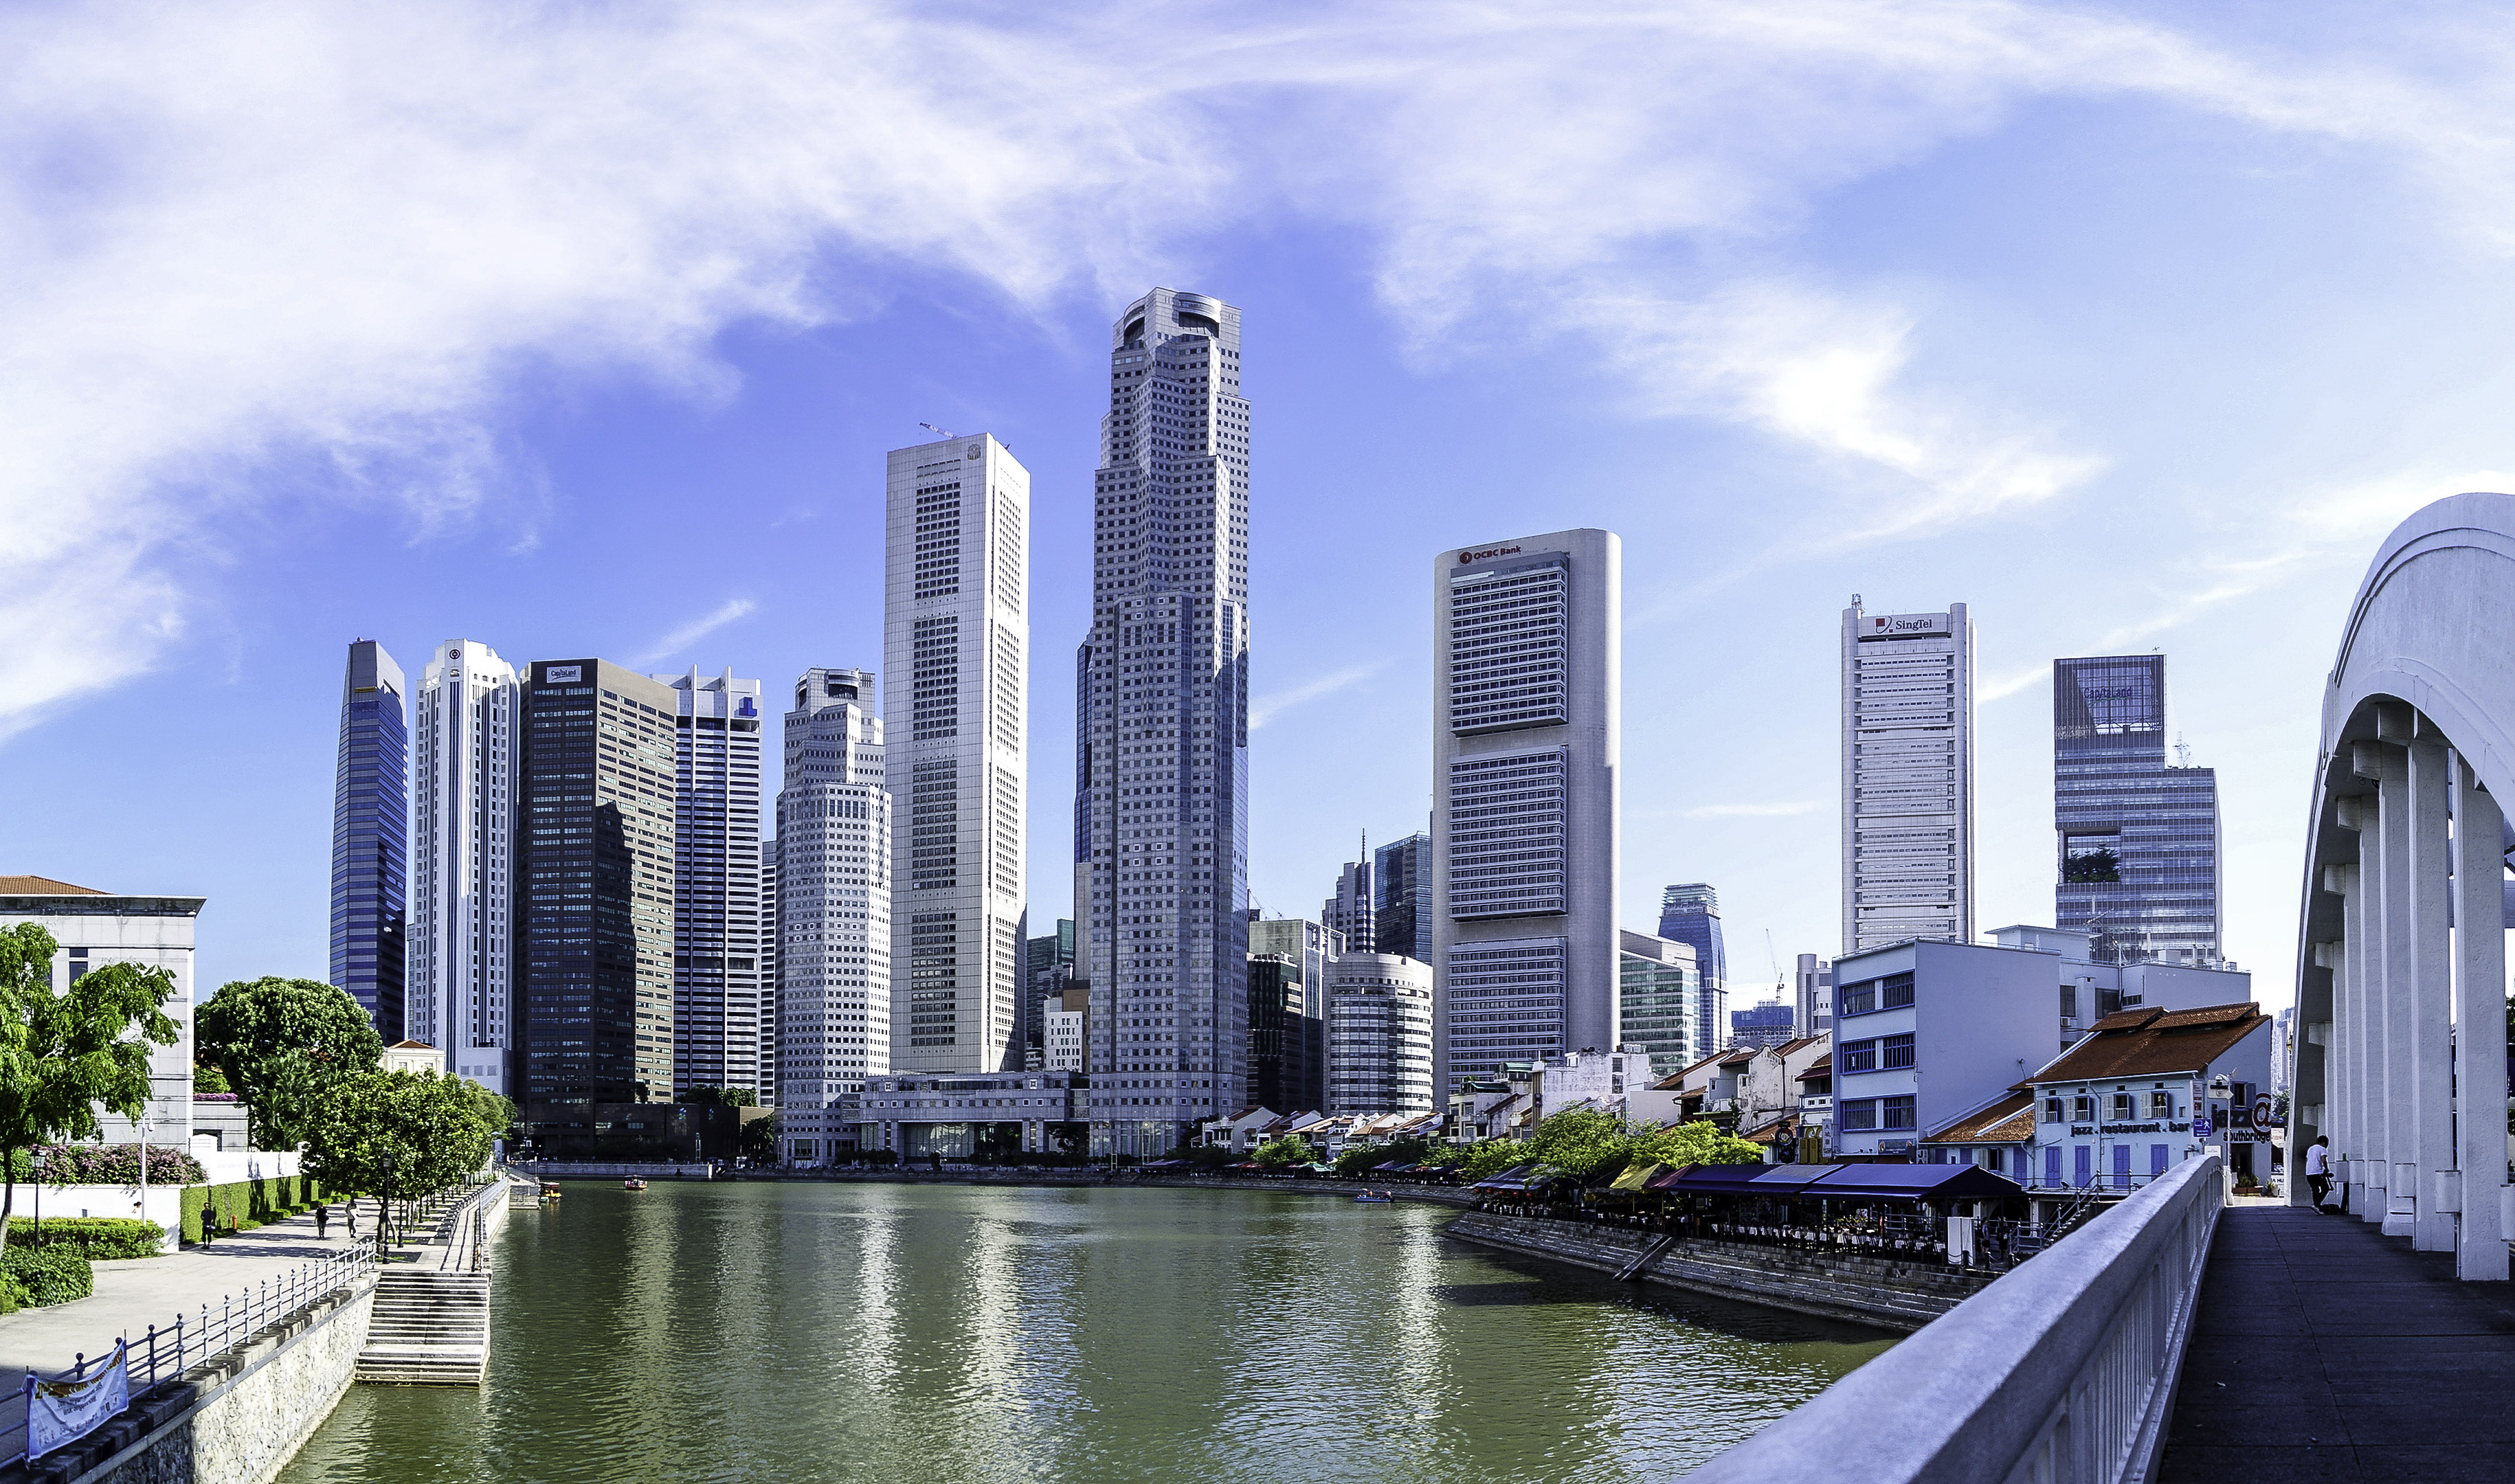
(940, 433)
(2182, 751)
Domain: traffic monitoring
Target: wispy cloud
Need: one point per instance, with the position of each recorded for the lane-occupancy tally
(1265, 709)
(1750, 810)
(258, 248)
(681, 639)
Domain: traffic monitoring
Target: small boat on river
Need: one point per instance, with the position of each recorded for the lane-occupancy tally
(632, 1183)
(1373, 1198)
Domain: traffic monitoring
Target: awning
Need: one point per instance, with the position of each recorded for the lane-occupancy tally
(1508, 1179)
(1634, 1177)
(1909, 1182)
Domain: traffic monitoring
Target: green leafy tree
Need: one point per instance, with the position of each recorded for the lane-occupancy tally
(208, 1079)
(1493, 1156)
(414, 1131)
(722, 1097)
(1581, 1142)
(1694, 1143)
(63, 1052)
(283, 1045)
(1360, 1158)
(759, 1140)
(1284, 1150)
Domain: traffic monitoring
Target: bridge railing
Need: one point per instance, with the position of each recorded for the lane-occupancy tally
(2062, 1371)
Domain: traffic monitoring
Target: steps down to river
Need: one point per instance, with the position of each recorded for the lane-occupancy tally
(1892, 1293)
(428, 1328)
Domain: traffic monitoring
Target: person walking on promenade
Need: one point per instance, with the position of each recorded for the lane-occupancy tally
(2318, 1168)
(322, 1219)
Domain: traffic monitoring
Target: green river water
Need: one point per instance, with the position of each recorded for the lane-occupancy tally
(947, 1333)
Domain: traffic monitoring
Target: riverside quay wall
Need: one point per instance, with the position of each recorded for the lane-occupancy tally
(1889, 1293)
(236, 1420)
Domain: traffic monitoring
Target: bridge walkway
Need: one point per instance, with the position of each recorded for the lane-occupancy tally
(2324, 1350)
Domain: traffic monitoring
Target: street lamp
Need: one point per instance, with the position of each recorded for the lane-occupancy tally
(39, 1198)
(383, 1210)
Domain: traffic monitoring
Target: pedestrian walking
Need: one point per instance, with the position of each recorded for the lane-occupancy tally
(349, 1212)
(2318, 1168)
(322, 1219)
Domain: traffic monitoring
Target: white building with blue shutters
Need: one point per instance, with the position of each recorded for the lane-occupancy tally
(2117, 1110)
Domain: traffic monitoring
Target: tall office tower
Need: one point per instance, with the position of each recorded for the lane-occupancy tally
(595, 890)
(1379, 1035)
(1907, 776)
(956, 637)
(1690, 913)
(1526, 641)
(1815, 984)
(717, 990)
(1349, 911)
(371, 837)
(1288, 1049)
(772, 934)
(1661, 1002)
(468, 743)
(1761, 1025)
(833, 897)
(2137, 838)
(1311, 945)
(1398, 921)
(1046, 975)
(1163, 729)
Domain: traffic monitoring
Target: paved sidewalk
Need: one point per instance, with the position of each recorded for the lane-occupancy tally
(133, 1293)
(2325, 1350)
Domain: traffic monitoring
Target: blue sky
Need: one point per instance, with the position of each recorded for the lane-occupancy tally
(584, 330)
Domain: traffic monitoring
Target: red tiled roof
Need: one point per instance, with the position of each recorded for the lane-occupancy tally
(1823, 1066)
(44, 885)
(2009, 1121)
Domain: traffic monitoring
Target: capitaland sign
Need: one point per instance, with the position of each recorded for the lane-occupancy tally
(1486, 554)
(1905, 625)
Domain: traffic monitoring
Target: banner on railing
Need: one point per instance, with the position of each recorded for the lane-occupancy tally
(63, 1409)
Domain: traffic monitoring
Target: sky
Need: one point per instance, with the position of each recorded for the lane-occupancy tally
(575, 329)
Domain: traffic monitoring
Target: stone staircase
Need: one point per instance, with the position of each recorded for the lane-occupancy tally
(428, 1329)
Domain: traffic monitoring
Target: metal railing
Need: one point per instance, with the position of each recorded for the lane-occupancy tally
(2061, 1371)
(166, 1351)
(466, 1249)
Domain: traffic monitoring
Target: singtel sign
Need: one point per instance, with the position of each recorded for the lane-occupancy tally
(1905, 625)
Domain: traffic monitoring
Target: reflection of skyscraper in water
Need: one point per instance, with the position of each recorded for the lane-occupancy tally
(1907, 776)
(1690, 913)
(2136, 839)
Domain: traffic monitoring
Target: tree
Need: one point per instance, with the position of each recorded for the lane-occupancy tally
(1365, 1157)
(1283, 1150)
(758, 1139)
(62, 1052)
(1695, 1143)
(285, 1044)
(1580, 1142)
(427, 1130)
(727, 1097)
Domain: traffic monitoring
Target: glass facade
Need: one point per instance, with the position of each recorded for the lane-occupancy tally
(371, 837)
(1659, 1004)
(2136, 837)
(600, 782)
(1397, 898)
(1760, 1025)
(1690, 913)
(1287, 1049)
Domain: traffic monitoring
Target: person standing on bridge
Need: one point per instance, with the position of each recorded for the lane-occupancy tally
(2318, 1168)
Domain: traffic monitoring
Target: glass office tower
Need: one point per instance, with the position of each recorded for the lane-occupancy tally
(1690, 913)
(1660, 1005)
(371, 835)
(1397, 898)
(2136, 837)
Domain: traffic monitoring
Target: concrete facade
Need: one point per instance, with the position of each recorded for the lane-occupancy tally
(1527, 658)
(1379, 1035)
(1924, 1032)
(954, 1116)
(956, 643)
(466, 748)
(719, 991)
(1908, 725)
(834, 899)
(93, 929)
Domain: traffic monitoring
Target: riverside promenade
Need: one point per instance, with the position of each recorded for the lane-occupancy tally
(133, 1293)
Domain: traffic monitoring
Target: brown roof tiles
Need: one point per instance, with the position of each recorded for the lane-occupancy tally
(2151, 1043)
(44, 885)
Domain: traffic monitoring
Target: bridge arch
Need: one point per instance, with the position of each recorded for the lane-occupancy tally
(2401, 1024)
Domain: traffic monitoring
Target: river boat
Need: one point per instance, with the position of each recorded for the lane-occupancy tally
(632, 1183)
(1373, 1198)
(549, 1192)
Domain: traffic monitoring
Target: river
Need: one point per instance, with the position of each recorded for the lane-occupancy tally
(945, 1333)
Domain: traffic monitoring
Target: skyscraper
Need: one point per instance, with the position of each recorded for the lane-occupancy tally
(834, 903)
(1288, 1047)
(1661, 1001)
(1349, 910)
(1526, 642)
(1761, 1025)
(956, 638)
(1046, 975)
(1311, 946)
(1814, 982)
(2137, 840)
(1163, 729)
(1690, 914)
(1398, 909)
(1907, 776)
(371, 837)
(469, 739)
(1379, 1035)
(772, 934)
(718, 992)
(595, 895)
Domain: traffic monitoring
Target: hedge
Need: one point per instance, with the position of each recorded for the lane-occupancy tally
(108, 1165)
(50, 1274)
(243, 1205)
(92, 1237)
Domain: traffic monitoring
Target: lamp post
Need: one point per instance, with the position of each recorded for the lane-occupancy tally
(384, 1211)
(147, 1121)
(39, 1198)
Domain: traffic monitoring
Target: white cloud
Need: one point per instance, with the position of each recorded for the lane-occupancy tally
(265, 251)
(688, 634)
(1265, 709)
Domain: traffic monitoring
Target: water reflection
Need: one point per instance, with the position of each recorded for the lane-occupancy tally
(938, 1333)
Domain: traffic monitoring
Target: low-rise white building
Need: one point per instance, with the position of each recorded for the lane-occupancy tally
(2115, 1111)
(1061, 1030)
(93, 929)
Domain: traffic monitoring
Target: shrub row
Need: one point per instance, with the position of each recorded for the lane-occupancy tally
(245, 1205)
(95, 1238)
(44, 1275)
(108, 1165)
